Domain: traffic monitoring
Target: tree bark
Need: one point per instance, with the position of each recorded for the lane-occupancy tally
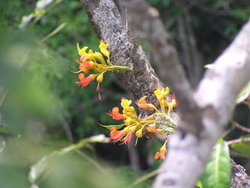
(124, 47)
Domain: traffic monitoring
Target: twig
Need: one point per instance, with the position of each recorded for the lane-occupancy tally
(54, 32)
(145, 177)
(226, 132)
(237, 125)
(3, 98)
(237, 141)
(96, 164)
(67, 129)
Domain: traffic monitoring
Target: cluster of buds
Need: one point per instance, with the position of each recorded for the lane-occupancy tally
(134, 125)
(97, 62)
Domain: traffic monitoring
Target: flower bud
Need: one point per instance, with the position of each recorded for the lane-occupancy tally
(99, 78)
(139, 133)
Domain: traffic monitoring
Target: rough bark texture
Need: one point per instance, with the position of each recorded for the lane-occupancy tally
(145, 18)
(204, 112)
(240, 178)
(124, 47)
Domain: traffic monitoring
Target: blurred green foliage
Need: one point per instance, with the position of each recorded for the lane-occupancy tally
(42, 109)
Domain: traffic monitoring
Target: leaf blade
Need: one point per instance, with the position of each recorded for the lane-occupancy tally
(243, 147)
(218, 170)
(111, 126)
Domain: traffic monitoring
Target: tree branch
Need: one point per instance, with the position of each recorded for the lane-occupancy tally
(124, 47)
(204, 113)
(146, 19)
(215, 97)
(189, 151)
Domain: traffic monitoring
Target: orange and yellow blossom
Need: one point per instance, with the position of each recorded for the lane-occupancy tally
(160, 94)
(116, 114)
(162, 153)
(115, 135)
(84, 81)
(152, 129)
(144, 105)
(140, 126)
(127, 138)
(95, 61)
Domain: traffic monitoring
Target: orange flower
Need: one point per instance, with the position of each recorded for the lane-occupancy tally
(174, 100)
(84, 81)
(151, 117)
(115, 135)
(84, 66)
(95, 61)
(159, 154)
(128, 138)
(144, 105)
(162, 153)
(153, 129)
(170, 104)
(116, 114)
(83, 58)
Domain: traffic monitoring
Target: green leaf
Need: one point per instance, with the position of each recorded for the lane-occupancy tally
(243, 147)
(218, 170)
(111, 126)
(243, 94)
(40, 168)
(199, 184)
(208, 66)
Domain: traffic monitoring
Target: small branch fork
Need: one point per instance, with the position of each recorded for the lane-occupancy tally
(204, 112)
(238, 126)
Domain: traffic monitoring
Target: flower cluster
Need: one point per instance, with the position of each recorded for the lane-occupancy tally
(92, 66)
(134, 125)
(98, 63)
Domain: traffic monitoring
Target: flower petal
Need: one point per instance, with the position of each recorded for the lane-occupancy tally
(84, 81)
(115, 135)
(81, 51)
(128, 138)
(103, 47)
(116, 114)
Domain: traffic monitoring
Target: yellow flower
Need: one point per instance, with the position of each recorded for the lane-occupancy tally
(125, 103)
(144, 105)
(160, 95)
(90, 55)
(99, 78)
(81, 51)
(127, 109)
(140, 126)
(139, 133)
(95, 61)
(103, 47)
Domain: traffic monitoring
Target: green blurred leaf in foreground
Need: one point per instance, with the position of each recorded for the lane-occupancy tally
(38, 169)
(242, 147)
(218, 170)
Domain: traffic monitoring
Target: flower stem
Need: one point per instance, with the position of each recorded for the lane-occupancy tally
(120, 68)
(163, 123)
